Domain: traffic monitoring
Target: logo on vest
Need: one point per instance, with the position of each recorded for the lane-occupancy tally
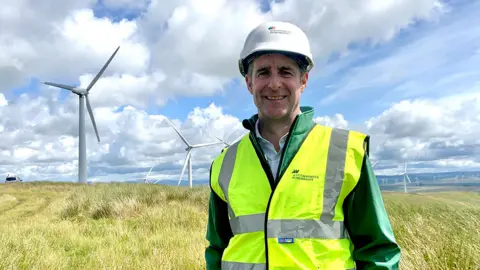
(298, 176)
(285, 240)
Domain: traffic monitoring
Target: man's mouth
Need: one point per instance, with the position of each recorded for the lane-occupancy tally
(275, 97)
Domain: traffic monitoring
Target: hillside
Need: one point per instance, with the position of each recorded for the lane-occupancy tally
(136, 226)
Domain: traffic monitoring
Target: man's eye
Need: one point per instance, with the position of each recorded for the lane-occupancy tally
(261, 73)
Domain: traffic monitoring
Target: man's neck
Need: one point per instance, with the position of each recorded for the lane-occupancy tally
(273, 131)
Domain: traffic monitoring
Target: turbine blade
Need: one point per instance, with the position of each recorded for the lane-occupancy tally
(67, 87)
(149, 171)
(178, 132)
(184, 165)
(222, 141)
(146, 177)
(375, 163)
(237, 139)
(90, 112)
(205, 144)
(102, 70)
(408, 178)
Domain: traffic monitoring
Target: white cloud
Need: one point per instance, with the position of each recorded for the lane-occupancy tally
(441, 132)
(337, 121)
(332, 26)
(3, 100)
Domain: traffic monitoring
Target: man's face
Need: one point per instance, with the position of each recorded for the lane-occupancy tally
(276, 84)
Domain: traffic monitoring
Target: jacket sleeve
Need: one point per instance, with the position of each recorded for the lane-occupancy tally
(368, 224)
(218, 231)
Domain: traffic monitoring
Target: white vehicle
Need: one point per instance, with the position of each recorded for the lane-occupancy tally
(12, 179)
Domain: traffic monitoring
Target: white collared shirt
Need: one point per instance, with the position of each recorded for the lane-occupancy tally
(272, 156)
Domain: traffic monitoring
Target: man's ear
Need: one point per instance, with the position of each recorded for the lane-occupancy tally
(303, 81)
(248, 81)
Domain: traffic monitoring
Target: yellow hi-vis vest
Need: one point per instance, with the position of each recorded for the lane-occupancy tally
(300, 224)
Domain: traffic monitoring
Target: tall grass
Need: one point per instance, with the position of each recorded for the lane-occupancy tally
(126, 226)
(136, 226)
(437, 230)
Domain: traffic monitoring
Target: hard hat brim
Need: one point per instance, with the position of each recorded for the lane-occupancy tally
(305, 62)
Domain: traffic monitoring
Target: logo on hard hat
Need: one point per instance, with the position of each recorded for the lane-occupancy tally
(274, 30)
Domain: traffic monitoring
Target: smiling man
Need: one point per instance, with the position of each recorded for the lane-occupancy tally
(293, 194)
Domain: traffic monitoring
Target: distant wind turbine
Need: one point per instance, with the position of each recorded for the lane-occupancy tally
(144, 179)
(82, 97)
(146, 176)
(188, 158)
(405, 178)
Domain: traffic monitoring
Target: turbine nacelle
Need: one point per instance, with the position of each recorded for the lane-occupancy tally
(80, 91)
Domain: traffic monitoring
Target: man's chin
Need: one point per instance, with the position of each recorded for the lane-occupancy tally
(276, 115)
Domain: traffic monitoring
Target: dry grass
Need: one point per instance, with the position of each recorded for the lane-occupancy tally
(134, 226)
(437, 230)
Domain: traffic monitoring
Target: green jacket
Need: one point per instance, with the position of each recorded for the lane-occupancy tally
(365, 217)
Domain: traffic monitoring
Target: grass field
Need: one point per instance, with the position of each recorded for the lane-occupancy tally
(135, 226)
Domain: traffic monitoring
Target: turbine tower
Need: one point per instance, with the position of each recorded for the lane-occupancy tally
(82, 98)
(188, 158)
(405, 178)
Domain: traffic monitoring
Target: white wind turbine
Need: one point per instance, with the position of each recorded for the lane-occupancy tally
(146, 176)
(405, 178)
(144, 179)
(188, 158)
(82, 97)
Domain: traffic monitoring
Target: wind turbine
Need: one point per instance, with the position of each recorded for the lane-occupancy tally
(405, 178)
(188, 158)
(82, 97)
(144, 179)
(146, 176)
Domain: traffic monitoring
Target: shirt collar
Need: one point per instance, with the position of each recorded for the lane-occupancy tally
(257, 133)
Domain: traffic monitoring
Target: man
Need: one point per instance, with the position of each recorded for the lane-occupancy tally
(293, 194)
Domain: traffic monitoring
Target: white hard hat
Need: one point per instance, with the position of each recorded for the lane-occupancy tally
(276, 37)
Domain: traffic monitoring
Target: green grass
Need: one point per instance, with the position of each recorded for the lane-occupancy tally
(135, 226)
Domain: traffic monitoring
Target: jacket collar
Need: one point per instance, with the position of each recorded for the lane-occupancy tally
(302, 123)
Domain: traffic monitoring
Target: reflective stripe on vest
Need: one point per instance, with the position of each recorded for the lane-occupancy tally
(334, 181)
(249, 266)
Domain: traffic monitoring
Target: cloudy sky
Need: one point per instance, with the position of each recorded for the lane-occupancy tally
(405, 72)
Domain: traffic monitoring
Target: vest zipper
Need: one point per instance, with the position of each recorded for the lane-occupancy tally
(273, 181)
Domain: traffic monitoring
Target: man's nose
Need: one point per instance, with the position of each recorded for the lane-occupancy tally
(275, 82)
